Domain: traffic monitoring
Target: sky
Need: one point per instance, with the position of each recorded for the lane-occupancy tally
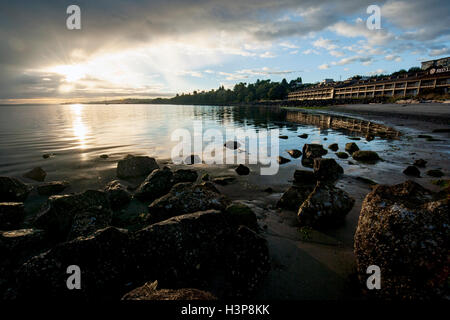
(159, 48)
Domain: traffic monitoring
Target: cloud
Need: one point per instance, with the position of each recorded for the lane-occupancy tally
(440, 52)
(267, 54)
(393, 57)
(324, 66)
(325, 43)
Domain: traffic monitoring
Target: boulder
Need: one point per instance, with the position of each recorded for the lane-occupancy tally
(186, 198)
(193, 159)
(240, 214)
(294, 153)
(370, 137)
(342, 155)
(327, 170)
(404, 229)
(233, 145)
(351, 147)
(242, 170)
(135, 166)
(13, 190)
(420, 163)
(86, 223)
(303, 177)
(149, 291)
(412, 171)
(333, 147)
(365, 156)
(199, 248)
(205, 177)
(294, 197)
(185, 175)
(303, 136)
(37, 174)
(57, 216)
(310, 152)
(282, 160)
(103, 156)
(11, 215)
(326, 206)
(435, 173)
(51, 188)
(157, 184)
(104, 260)
(117, 194)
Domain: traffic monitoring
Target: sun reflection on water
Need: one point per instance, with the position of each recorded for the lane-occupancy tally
(80, 130)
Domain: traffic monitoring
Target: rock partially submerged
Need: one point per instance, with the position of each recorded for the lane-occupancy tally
(242, 170)
(421, 163)
(333, 147)
(294, 153)
(412, 171)
(327, 170)
(303, 136)
(342, 155)
(58, 215)
(13, 190)
(233, 145)
(135, 166)
(193, 159)
(282, 160)
(366, 156)
(150, 291)
(310, 152)
(294, 197)
(351, 147)
(37, 174)
(186, 198)
(325, 206)
(436, 173)
(404, 229)
(51, 188)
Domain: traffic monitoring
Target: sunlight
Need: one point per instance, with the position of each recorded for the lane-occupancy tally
(71, 73)
(79, 128)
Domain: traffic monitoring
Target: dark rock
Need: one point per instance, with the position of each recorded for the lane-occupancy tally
(294, 153)
(13, 190)
(369, 137)
(185, 175)
(284, 137)
(424, 136)
(268, 190)
(86, 223)
(326, 206)
(342, 155)
(333, 147)
(149, 291)
(327, 170)
(51, 188)
(104, 156)
(205, 177)
(366, 180)
(233, 145)
(441, 130)
(365, 156)
(44, 276)
(310, 152)
(11, 215)
(405, 231)
(135, 166)
(412, 171)
(193, 159)
(240, 214)
(420, 163)
(46, 155)
(351, 147)
(223, 181)
(37, 174)
(294, 197)
(435, 173)
(157, 184)
(58, 215)
(303, 136)
(118, 194)
(354, 138)
(242, 170)
(186, 198)
(304, 177)
(282, 160)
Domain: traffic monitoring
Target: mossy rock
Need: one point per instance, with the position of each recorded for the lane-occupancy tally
(365, 156)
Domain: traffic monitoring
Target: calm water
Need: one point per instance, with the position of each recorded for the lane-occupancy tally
(76, 135)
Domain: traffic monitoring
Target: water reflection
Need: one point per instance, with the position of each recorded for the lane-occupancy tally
(79, 128)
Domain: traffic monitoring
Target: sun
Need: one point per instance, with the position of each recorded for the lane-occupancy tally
(71, 73)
